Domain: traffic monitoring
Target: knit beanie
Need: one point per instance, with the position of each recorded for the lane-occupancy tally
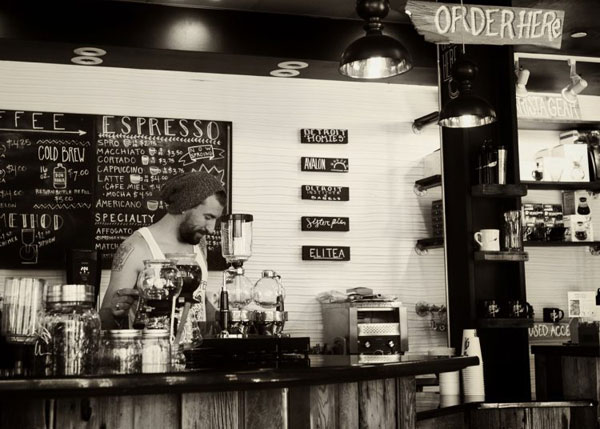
(187, 190)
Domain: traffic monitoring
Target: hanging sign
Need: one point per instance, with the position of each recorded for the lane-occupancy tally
(322, 223)
(323, 136)
(325, 193)
(486, 25)
(331, 165)
(547, 106)
(325, 253)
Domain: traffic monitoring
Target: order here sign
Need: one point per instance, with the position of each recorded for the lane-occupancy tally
(486, 25)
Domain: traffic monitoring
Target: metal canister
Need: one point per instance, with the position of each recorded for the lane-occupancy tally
(121, 351)
(156, 350)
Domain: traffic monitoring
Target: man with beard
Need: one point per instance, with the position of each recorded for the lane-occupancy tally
(194, 202)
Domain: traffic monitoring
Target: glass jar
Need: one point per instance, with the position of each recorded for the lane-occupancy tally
(239, 288)
(121, 351)
(156, 351)
(70, 332)
(159, 284)
(268, 291)
(192, 292)
(21, 309)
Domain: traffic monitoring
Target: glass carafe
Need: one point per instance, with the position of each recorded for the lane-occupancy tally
(193, 293)
(236, 237)
(268, 290)
(159, 284)
(239, 288)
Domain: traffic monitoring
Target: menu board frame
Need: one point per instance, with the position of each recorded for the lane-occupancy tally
(193, 145)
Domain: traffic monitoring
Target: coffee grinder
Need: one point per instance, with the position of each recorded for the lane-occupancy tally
(236, 248)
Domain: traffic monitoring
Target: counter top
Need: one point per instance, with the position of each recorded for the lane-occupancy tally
(567, 350)
(318, 370)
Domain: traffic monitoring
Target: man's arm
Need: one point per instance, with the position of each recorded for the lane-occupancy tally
(120, 295)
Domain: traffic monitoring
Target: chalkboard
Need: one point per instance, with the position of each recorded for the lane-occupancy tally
(88, 181)
(325, 193)
(323, 136)
(135, 156)
(325, 223)
(325, 253)
(329, 165)
(46, 187)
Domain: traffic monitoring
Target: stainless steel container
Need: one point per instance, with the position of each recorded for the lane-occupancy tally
(366, 327)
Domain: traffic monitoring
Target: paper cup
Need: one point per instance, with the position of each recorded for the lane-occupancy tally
(449, 383)
(442, 351)
(467, 333)
(449, 400)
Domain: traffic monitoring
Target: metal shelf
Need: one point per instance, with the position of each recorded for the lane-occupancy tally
(502, 256)
(422, 185)
(423, 245)
(505, 322)
(498, 191)
(564, 186)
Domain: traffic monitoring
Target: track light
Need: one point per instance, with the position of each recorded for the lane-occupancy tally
(466, 110)
(374, 56)
(522, 78)
(576, 86)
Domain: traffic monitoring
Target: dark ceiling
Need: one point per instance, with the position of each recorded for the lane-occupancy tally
(580, 15)
(252, 36)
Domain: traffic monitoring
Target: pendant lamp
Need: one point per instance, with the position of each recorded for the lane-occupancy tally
(466, 110)
(375, 55)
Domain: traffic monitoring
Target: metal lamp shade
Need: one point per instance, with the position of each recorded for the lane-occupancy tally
(467, 111)
(375, 56)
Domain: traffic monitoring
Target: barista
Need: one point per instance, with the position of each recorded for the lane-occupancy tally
(194, 202)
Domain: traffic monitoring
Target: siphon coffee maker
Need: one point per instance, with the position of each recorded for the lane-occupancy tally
(236, 248)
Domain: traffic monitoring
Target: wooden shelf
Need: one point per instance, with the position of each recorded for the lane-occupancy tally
(424, 244)
(560, 243)
(502, 256)
(422, 185)
(553, 125)
(566, 186)
(594, 246)
(505, 322)
(499, 191)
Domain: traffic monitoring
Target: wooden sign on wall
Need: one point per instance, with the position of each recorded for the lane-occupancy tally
(322, 223)
(330, 165)
(486, 25)
(325, 253)
(537, 106)
(323, 136)
(325, 193)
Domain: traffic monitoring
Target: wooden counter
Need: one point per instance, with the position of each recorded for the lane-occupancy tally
(334, 391)
(569, 372)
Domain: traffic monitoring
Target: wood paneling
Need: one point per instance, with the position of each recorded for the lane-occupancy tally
(160, 411)
(218, 410)
(347, 405)
(377, 404)
(407, 395)
(32, 414)
(550, 418)
(452, 421)
(387, 217)
(323, 413)
(265, 409)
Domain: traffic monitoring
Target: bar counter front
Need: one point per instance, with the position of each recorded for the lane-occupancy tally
(323, 391)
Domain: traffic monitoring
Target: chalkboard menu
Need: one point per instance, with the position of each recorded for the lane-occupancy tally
(88, 181)
(46, 187)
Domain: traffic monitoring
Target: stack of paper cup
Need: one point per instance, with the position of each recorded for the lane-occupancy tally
(473, 384)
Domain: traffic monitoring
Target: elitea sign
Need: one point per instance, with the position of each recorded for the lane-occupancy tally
(486, 25)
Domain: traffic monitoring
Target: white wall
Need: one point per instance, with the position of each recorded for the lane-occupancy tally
(385, 159)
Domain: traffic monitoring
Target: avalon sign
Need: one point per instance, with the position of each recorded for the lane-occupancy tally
(486, 25)
(552, 106)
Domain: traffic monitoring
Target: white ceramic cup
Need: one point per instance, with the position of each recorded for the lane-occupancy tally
(488, 239)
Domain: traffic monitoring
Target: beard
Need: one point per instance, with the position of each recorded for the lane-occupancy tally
(190, 234)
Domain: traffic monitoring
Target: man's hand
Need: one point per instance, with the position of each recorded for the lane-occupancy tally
(122, 300)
